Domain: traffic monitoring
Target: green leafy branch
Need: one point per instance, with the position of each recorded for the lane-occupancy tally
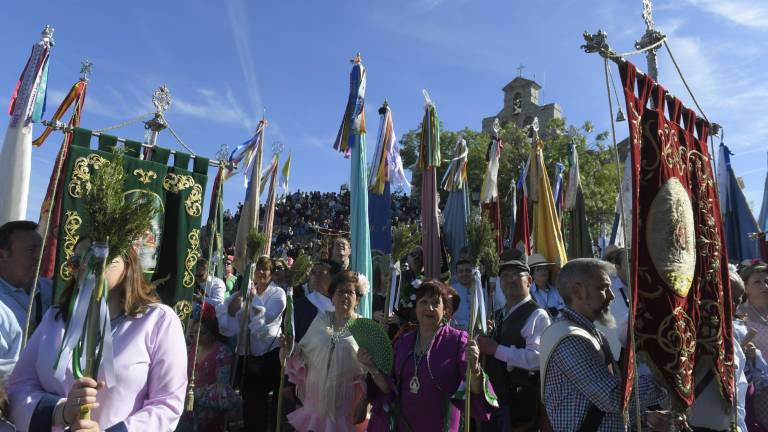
(110, 216)
(481, 239)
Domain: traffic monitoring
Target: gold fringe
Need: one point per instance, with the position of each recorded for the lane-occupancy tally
(190, 405)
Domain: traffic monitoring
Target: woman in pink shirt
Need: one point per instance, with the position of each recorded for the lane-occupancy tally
(150, 364)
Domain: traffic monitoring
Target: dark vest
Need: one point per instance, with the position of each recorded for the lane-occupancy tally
(507, 333)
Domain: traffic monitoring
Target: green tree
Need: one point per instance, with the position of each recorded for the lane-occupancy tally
(598, 175)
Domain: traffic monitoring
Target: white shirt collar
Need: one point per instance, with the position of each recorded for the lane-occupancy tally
(508, 312)
(321, 302)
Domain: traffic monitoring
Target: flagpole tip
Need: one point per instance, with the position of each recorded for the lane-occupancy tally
(358, 59)
(47, 35)
(86, 66)
(384, 107)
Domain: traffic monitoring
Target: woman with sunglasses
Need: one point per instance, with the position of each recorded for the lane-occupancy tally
(150, 363)
(330, 381)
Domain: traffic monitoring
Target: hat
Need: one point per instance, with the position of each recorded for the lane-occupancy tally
(611, 251)
(514, 264)
(538, 260)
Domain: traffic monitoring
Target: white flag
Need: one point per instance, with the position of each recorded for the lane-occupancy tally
(16, 154)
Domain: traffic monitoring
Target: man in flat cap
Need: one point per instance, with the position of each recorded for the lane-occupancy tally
(513, 350)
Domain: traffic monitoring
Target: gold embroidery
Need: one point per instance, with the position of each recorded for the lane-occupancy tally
(145, 176)
(80, 183)
(194, 202)
(676, 336)
(191, 259)
(71, 224)
(183, 309)
(673, 154)
(177, 183)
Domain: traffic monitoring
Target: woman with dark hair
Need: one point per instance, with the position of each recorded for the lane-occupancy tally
(149, 363)
(256, 323)
(330, 381)
(430, 364)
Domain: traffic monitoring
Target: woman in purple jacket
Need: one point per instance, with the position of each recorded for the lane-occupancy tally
(424, 392)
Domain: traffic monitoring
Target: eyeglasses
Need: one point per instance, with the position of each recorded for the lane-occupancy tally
(319, 272)
(226, 263)
(345, 293)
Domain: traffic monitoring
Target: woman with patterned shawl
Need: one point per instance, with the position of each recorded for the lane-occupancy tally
(424, 391)
(330, 382)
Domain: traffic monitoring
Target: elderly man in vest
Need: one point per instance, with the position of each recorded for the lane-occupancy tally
(513, 352)
(581, 383)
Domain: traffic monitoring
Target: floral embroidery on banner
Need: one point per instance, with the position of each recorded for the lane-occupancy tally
(72, 223)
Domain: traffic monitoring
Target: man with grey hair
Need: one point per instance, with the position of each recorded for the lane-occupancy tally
(581, 386)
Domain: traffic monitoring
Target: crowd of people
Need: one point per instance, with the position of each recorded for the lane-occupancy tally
(298, 215)
(546, 359)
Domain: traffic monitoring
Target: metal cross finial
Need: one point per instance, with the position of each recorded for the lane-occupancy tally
(520, 70)
(223, 153)
(47, 35)
(277, 147)
(648, 14)
(86, 66)
(161, 99)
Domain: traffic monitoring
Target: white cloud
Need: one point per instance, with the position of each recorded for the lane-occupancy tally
(238, 20)
(317, 142)
(220, 107)
(749, 13)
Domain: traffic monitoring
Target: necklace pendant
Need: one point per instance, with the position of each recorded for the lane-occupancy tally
(415, 385)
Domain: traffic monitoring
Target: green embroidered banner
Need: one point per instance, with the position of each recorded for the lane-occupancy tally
(169, 252)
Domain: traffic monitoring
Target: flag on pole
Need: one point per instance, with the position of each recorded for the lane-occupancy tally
(351, 141)
(547, 237)
(489, 193)
(53, 196)
(579, 239)
(512, 199)
(248, 155)
(270, 175)
(27, 106)
(763, 220)
(739, 225)
(386, 171)
(216, 222)
(557, 193)
(284, 173)
(521, 237)
(456, 212)
(429, 160)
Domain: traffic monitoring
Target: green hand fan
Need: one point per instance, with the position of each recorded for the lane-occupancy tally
(370, 335)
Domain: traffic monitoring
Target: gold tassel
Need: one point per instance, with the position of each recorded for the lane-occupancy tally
(190, 406)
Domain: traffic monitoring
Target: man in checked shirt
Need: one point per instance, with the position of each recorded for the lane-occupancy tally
(581, 385)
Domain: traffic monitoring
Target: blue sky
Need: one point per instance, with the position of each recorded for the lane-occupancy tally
(226, 61)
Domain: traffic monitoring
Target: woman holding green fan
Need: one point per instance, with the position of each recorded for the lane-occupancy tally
(423, 392)
(329, 379)
(149, 362)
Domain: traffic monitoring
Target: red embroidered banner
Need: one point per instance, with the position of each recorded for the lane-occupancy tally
(681, 298)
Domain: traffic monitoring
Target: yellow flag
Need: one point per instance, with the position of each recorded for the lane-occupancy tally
(547, 237)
